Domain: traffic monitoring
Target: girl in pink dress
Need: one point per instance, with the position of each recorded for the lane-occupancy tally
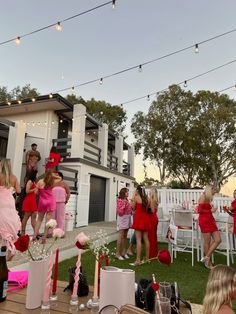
(47, 203)
(123, 211)
(61, 193)
(10, 223)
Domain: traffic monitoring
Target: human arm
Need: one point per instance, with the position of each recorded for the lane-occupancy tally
(16, 185)
(29, 187)
(67, 189)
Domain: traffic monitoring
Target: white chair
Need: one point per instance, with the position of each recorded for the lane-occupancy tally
(183, 219)
(163, 223)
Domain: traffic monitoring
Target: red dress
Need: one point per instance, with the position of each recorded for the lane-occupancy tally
(56, 159)
(152, 233)
(141, 219)
(233, 204)
(206, 220)
(29, 203)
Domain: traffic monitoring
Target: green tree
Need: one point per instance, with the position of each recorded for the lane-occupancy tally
(18, 93)
(189, 137)
(114, 116)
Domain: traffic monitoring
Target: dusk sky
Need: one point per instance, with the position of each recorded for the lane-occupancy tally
(106, 41)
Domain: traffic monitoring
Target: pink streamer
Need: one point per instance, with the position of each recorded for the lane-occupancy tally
(77, 272)
(48, 279)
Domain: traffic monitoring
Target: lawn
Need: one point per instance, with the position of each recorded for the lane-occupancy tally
(191, 280)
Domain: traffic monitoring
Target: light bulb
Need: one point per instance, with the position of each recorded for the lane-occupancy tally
(61, 120)
(53, 122)
(50, 95)
(200, 102)
(148, 97)
(101, 81)
(17, 40)
(33, 99)
(72, 90)
(19, 101)
(196, 49)
(121, 105)
(58, 26)
(234, 88)
(113, 4)
(101, 112)
(185, 84)
(140, 68)
(9, 103)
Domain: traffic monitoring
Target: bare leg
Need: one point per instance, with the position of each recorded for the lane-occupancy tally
(138, 234)
(124, 241)
(38, 223)
(216, 241)
(147, 245)
(24, 222)
(33, 220)
(118, 244)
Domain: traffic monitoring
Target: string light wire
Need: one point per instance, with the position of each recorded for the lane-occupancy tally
(56, 23)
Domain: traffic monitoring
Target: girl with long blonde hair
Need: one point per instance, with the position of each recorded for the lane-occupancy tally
(10, 221)
(220, 290)
(153, 218)
(207, 224)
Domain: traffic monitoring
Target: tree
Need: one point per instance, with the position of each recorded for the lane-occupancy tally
(149, 182)
(189, 137)
(114, 116)
(18, 93)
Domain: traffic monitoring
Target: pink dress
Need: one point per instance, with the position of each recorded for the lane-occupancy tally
(10, 222)
(123, 211)
(47, 202)
(59, 194)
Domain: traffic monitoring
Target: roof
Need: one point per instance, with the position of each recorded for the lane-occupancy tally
(56, 103)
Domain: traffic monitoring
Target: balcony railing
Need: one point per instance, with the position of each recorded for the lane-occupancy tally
(126, 168)
(92, 153)
(112, 162)
(63, 146)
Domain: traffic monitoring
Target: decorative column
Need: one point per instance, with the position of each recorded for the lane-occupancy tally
(15, 147)
(103, 143)
(78, 131)
(119, 152)
(131, 155)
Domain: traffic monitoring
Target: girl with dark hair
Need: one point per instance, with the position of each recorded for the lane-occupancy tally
(47, 203)
(141, 223)
(54, 159)
(123, 211)
(29, 206)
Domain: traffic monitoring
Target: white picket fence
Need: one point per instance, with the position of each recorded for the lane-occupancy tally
(170, 198)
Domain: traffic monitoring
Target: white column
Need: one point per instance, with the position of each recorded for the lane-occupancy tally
(103, 143)
(78, 131)
(131, 159)
(15, 147)
(119, 152)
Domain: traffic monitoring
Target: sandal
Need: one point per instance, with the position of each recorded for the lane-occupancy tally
(136, 263)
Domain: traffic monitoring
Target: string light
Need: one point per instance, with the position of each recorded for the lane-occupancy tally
(9, 103)
(50, 95)
(113, 4)
(33, 99)
(140, 68)
(185, 84)
(148, 97)
(196, 49)
(61, 121)
(19, 101)
(17, 40)
(101, 81)
(58, 26)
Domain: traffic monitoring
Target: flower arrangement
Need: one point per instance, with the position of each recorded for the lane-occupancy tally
(37, 250)
(163, 257)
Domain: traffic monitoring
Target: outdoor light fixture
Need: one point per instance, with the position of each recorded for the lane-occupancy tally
(148, 97)
(185, 84)
(101, 81)
(17, 40)
(58, 26)
(114, 179)
(50, 95)
(196, 50)
(33, 99)
(19, 101)
(140, 68)
(113, 4)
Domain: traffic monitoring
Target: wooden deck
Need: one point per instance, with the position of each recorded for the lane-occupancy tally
(15, 303)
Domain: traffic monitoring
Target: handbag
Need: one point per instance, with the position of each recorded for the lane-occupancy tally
(83, 288)
(17, 279)
(175, 300)
(145, 295)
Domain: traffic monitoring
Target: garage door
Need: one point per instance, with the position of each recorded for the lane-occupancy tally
(97, 199)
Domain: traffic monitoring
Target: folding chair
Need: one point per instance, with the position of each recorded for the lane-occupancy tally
(183, 219)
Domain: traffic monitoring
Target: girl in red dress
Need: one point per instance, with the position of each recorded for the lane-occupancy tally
(29, 206)
(210, 233)
(141, 223)
(152, 232)
(232, 211)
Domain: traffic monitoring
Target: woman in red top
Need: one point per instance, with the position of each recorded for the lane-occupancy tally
(141, 223)
(207, 224)
(54, 159)
(152, 232)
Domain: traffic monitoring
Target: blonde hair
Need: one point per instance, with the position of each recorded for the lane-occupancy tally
(154, 196)
(208, 195)
(220, 288)
(5, 170)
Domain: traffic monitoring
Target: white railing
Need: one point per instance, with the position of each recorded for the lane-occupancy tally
(169, 198)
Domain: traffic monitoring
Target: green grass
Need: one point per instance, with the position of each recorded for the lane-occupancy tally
(191, 280)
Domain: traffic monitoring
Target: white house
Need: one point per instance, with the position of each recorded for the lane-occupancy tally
(97, 163)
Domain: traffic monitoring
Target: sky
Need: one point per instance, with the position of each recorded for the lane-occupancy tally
(108, 40)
